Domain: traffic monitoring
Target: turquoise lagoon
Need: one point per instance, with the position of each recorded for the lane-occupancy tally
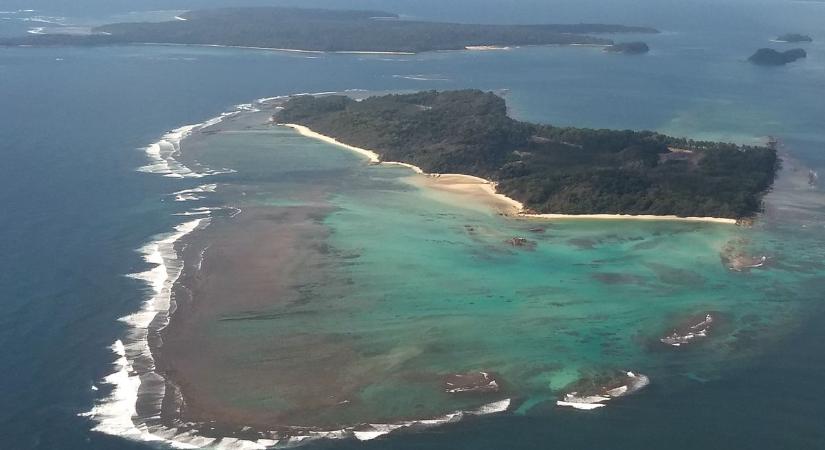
(417, 284)
(404, 287)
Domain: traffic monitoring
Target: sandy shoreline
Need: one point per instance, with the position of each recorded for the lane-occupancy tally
(371, 155)
(477, 187)
(482, 48)
(631, 217)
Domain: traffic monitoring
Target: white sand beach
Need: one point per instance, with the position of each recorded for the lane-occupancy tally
(305, 131)
(371, 52)
(630, 217)
(486, 47)
(468, 187)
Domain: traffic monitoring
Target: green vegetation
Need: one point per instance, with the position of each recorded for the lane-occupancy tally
(327, 30)
(771, 57)
(794, 38)
(549, 169)
(630, 48)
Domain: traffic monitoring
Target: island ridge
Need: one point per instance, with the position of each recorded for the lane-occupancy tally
(331, 31)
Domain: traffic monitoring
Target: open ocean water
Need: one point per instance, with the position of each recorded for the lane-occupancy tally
(75, 123)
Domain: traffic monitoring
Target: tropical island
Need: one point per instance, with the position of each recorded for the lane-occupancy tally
(321, 30)
(794, 38)
(549, 169)
(771, 57)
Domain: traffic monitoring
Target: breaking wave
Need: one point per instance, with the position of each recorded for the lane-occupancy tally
(162, 154)
(133, 407)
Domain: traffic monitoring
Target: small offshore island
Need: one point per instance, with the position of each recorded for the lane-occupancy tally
(548, 169)
(793, 38)
(331, 31)
(771, 57)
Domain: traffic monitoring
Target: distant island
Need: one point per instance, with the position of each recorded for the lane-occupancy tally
(794, 38)
(630, 48)
(549, 169)
(771, 57)
(328, 31)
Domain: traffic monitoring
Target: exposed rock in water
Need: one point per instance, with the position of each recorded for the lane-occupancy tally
(476, 382)
(521, 242)
(592, 394)
(771, 57)
(735, 257)
(695, 328)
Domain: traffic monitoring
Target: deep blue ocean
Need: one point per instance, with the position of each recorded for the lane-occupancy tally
(73, 122)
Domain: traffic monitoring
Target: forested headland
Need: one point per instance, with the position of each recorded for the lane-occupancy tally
(548, 168)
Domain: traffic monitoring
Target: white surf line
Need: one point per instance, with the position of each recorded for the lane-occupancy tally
(636, 382)
(45, 19)
(485, 48)
(163, 152)
(367, 52)
(193, 194)
(117, 414)
(198, 212)
(265, 100)
(373, 431)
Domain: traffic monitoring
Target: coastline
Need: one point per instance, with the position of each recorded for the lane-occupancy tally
(277, 49)
(317, 53)
(470, 184)
(152, 400)
(470, 48)
(482, 48)
(115, 415)
(371, 155)
(721, 220)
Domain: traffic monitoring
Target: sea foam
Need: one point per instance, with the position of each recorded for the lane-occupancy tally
(134, 381)
(115, 414)
(162, 154)
(194, 193)
(633, 383)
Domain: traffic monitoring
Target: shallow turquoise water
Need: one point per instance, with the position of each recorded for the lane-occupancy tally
(76, 119)
(418, 285)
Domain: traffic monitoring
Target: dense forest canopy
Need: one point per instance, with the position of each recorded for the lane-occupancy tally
(328, 30)
(550, 169)
(631, 48)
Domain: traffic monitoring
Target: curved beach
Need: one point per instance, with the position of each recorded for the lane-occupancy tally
(477, 187)
(299, 265)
